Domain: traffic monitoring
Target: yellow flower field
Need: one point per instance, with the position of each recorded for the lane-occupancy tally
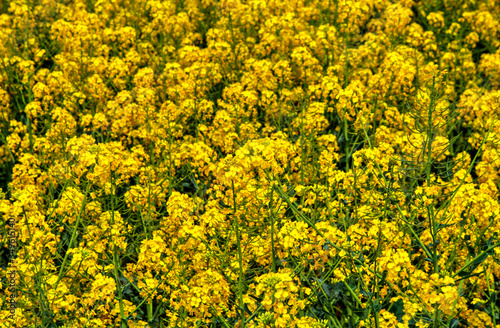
(250, 163)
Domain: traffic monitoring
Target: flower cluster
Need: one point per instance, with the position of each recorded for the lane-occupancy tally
(194, 163)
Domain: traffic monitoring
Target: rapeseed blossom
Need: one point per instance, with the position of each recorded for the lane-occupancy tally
(250, 163)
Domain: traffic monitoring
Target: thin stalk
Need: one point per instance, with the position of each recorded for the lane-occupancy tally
(73, 236)
(115, 258)
(118, 285)
(240, 259)
(475, 259)
(273, 265)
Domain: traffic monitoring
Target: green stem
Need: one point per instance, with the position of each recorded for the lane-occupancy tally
(240, 259)
(119, 286)
(474, 259)
(273, 265)
(150, 310)
(73, 236)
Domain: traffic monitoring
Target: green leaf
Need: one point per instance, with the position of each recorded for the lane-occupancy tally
(466, 275)
(338, 289)
(478, 261)
(397, 309)
(493, 298)
(442, 226)
(454, 323)
(360, 312)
